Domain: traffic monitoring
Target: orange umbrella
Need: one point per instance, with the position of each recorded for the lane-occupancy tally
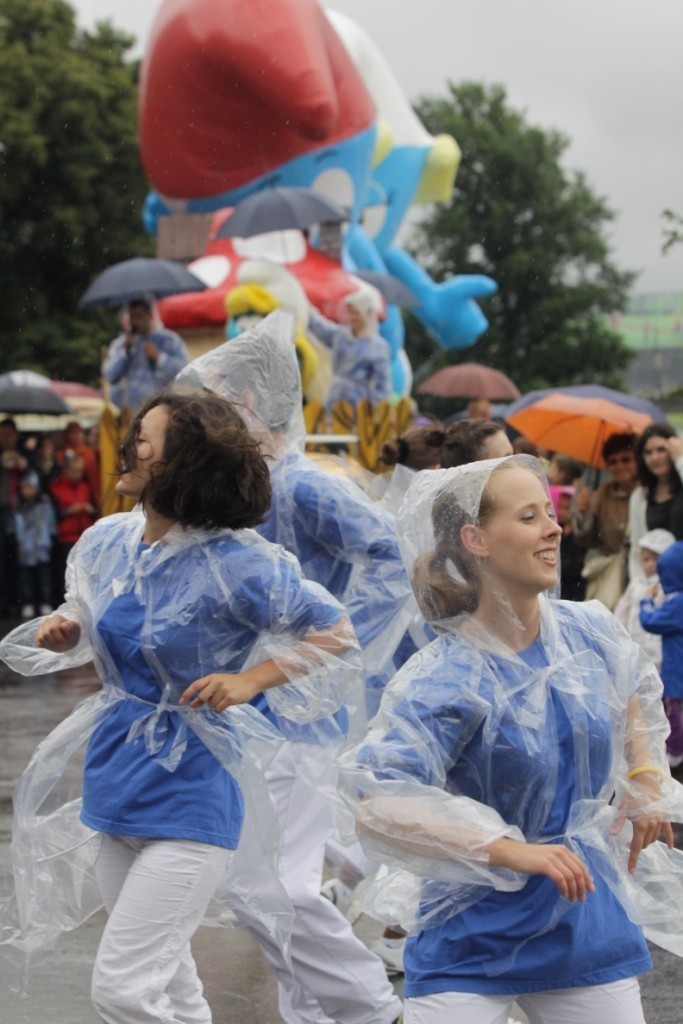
(575, 425)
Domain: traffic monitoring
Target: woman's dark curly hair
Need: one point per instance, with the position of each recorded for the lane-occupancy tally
(646, 478)
(211, 473)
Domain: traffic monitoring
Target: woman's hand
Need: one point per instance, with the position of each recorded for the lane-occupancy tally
(647, 827)
(58, 634)
(220, 691)
(583, 499)
(560, 865)
(675, 446)
(645, 831)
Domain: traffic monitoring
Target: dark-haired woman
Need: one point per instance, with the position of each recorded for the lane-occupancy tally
(173, 603)
(419, 448)
(471, 440)
(488, 776)
(658, 502)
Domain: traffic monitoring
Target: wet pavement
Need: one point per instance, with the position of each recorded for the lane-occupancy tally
(238, 986)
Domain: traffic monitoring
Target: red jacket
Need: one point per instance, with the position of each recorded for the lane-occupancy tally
(66, 493)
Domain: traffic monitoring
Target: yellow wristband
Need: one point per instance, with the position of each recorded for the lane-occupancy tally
(645, 768)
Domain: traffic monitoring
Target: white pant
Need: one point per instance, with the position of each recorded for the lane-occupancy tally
(335, 976)
(156, 892)
(616, 1003)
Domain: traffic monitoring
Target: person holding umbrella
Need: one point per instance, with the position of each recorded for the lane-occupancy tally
(142, 360)
(600, 521)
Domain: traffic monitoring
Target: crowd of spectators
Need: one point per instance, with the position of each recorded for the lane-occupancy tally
(49, 494)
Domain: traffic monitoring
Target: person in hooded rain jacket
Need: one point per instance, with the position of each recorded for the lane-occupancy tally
(666, 619)
(506, 760)
(189, 615)
(348, 545)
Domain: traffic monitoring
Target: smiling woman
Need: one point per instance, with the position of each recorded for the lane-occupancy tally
(658, 502)
(488, 776)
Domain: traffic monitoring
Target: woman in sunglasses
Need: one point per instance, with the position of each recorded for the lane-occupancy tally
(600, 521)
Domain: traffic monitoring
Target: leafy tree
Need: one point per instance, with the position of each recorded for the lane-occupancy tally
(539, 231)
(673, 231)
(71, 186)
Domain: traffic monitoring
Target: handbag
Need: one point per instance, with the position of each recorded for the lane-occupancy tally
(605, 577)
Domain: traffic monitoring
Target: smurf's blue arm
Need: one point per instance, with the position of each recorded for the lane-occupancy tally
(448, 310)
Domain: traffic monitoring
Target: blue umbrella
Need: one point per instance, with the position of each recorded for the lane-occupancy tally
(589, 391)
(139, 278)
(279, 209)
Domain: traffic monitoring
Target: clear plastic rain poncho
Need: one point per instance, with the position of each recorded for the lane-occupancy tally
(476, 741)
(342, 539)
(204, 601)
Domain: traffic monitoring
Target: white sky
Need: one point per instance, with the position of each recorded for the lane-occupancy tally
(607, 73)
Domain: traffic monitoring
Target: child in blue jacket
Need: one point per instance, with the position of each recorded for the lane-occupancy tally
(667, 620)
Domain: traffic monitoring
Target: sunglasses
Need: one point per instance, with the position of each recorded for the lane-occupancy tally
(623, 460)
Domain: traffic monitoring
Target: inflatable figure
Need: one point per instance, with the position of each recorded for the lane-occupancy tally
(239, 95)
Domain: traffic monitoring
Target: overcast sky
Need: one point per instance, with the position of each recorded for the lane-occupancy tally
(607, 73)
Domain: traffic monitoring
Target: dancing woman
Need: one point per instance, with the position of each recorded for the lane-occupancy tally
(188, 615)
(489, 773)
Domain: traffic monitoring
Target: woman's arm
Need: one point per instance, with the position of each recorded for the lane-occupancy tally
(585, 518)
(222, 690)
(661, 619)
(58, 634)
(639, 794)
(410, 825)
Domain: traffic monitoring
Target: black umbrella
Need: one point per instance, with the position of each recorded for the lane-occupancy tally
(139, 277)
(277, 209)
(23, 398)
(395, 292)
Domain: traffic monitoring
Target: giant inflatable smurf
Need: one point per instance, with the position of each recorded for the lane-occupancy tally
(239, 95)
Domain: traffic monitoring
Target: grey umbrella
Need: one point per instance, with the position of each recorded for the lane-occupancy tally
(139, 277)
(395, 292)
(277, 209)
(24, 398)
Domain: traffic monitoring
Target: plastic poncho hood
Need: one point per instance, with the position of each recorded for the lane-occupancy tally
(258, 372)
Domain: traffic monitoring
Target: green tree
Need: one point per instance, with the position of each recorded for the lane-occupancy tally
(539, 231)
(673, 231)
(71, 185)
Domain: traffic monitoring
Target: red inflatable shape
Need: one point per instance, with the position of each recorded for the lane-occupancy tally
(231, 89)
(324, 281)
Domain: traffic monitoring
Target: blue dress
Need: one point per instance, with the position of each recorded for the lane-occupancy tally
(477, 742)
(154, 619)
(347, 544)
(129, 791)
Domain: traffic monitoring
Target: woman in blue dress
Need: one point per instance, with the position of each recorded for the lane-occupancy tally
(190, 617)
(515, 780)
